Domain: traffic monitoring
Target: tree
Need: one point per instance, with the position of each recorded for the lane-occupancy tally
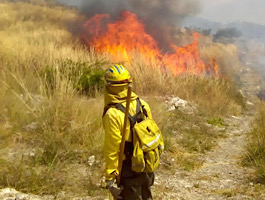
(227, 33)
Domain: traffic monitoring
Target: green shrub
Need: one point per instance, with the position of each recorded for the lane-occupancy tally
(216, 122)
(84, 77)
(91, 81)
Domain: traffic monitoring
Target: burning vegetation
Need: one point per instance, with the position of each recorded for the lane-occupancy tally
(128, 35)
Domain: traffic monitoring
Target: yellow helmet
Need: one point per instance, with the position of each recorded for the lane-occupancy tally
(117, 75)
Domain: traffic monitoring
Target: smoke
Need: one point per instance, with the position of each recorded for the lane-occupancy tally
(159, 16)
(156, 11)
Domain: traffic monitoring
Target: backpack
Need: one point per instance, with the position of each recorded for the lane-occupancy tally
(146, 138)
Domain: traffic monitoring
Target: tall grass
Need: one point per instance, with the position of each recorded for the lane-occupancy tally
(226, 57)
(215, 95)
(256, 146)
(45, 122)
(51, 101)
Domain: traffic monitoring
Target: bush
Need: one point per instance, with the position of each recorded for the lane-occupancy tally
(228, 33)
(91, 81)
(216, 122)
(84, 77)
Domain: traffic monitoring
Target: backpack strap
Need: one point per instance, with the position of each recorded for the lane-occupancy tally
(143, 109)
(120, 107)
(106, 108)
(133, 119)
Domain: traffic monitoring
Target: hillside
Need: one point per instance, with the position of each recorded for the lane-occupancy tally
(193, 21)
(51, 102)
(249, 30)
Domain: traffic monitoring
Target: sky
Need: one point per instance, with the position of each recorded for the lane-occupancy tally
(224, 10)
(233, 10)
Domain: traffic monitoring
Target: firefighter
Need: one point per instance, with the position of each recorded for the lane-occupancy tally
(133, 185)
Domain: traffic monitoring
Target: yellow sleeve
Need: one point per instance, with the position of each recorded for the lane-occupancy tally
(111, 143)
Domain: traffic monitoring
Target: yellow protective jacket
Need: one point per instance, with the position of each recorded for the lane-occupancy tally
(113, 121)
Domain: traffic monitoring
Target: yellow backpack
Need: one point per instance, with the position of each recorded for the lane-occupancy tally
(147, 140)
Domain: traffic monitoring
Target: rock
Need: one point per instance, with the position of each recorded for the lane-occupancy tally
(8, 125)
(176, 103)
(261, 95)
(250, 103)
(235, 117)
(31, 127)
(12, 194)
(91, 160)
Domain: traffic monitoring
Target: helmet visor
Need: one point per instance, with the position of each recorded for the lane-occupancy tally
(119, 82)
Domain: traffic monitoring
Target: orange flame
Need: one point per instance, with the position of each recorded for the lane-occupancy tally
(186, 59)
(128, 35)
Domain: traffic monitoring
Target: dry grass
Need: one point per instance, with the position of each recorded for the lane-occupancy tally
(48, 129)
(215, 96)
(186, 136)
(46, 125)
(225, 55)
(256, 146)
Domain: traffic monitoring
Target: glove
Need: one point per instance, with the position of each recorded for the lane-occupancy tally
(114, 189)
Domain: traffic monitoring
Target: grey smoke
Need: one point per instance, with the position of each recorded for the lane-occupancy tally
(166, 12)
(159, 16)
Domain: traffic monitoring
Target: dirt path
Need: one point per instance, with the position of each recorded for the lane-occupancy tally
(221, 176)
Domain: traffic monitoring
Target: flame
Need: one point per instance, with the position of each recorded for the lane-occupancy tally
(215, 66)
(185, 59)
(128, 35)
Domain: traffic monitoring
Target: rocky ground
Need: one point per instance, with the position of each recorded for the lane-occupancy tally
(221, 175)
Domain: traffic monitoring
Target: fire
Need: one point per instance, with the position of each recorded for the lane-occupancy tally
(185, 59)
(128, 35)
